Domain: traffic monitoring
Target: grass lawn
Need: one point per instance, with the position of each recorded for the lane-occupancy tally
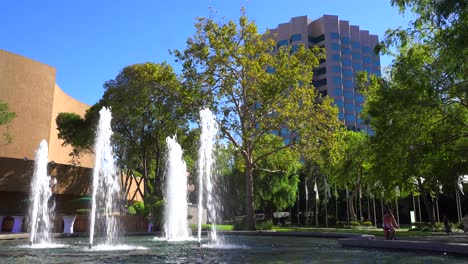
(402, 232)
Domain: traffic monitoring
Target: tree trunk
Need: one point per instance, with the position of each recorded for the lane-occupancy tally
(249, 195)
(352, 210)
(427, 204)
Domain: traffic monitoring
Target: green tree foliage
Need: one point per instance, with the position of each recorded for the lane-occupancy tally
(5, 118)
(350, 167)
(420, 114)
(276, 178)
(256, 88)
(148, 104)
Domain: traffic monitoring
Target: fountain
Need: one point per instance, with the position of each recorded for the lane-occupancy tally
(175, 194)
(206, 162)
(41, 209)
(106, 185)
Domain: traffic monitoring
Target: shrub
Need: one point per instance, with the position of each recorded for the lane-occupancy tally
(131, 210)
(264, 225)
(438, 226)
(354, 223)
(366, 223)
(140, 208)
(341, 224)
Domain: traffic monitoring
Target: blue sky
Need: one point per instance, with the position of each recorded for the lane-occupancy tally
(90, 41)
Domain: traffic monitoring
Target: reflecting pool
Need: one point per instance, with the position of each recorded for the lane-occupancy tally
(237, 249)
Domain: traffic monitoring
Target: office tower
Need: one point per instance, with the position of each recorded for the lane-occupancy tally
(348, 51)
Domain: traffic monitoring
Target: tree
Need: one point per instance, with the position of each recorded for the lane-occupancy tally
(276, 178)
(5, 118)
(419, 114)
(256, 88)
(350, 165)
(148, 104)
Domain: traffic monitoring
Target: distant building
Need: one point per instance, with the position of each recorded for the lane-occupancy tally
(348, 51)
(30, 90)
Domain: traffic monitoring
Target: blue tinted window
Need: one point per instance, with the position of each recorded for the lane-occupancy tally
(347, 62)
(340, 115)
(346, 51)
(376, 63)
(296, 37)
(345, 40)
(355, 45)
(334, 35)
(348, 84)
(358, 109)
(367, 69)
(336, 57)
(366, 59)
(336, 80)
(350, 117)
(349, 107)
(359, 121)
(270, 69)
(357, 66)
(339, 103)
(348, 95)
(366, 49)
(347, 73)
(336, 69)
(359, 99)
(282, 43)
(335, 46)
(356, 55)
(338, 91)
(294, 48)
(284, 131)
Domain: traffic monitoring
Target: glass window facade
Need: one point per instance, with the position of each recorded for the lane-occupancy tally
(347, 73)
(335, 46)
(296, 37)
(356, 55)
(348, 95)
(334, 35)
(350, 118)
(283, 42)
(338, 91)
(336, 80)
(336, 57)
(355, 45)
(345, 40)
(348, 84)
(346, 62)
(359, 99)
(336, 69)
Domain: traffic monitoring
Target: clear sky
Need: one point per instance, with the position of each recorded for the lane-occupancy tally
(90, 41)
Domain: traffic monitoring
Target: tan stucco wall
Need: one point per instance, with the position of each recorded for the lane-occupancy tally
(30, 90)
(28, 87)
(64, 103)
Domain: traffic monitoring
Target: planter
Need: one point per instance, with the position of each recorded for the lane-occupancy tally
(68, 222)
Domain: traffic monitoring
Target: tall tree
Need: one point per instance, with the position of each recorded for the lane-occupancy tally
(276, 178)
(419, 114)
(5, 118)
(256, 88)
(148, 104)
